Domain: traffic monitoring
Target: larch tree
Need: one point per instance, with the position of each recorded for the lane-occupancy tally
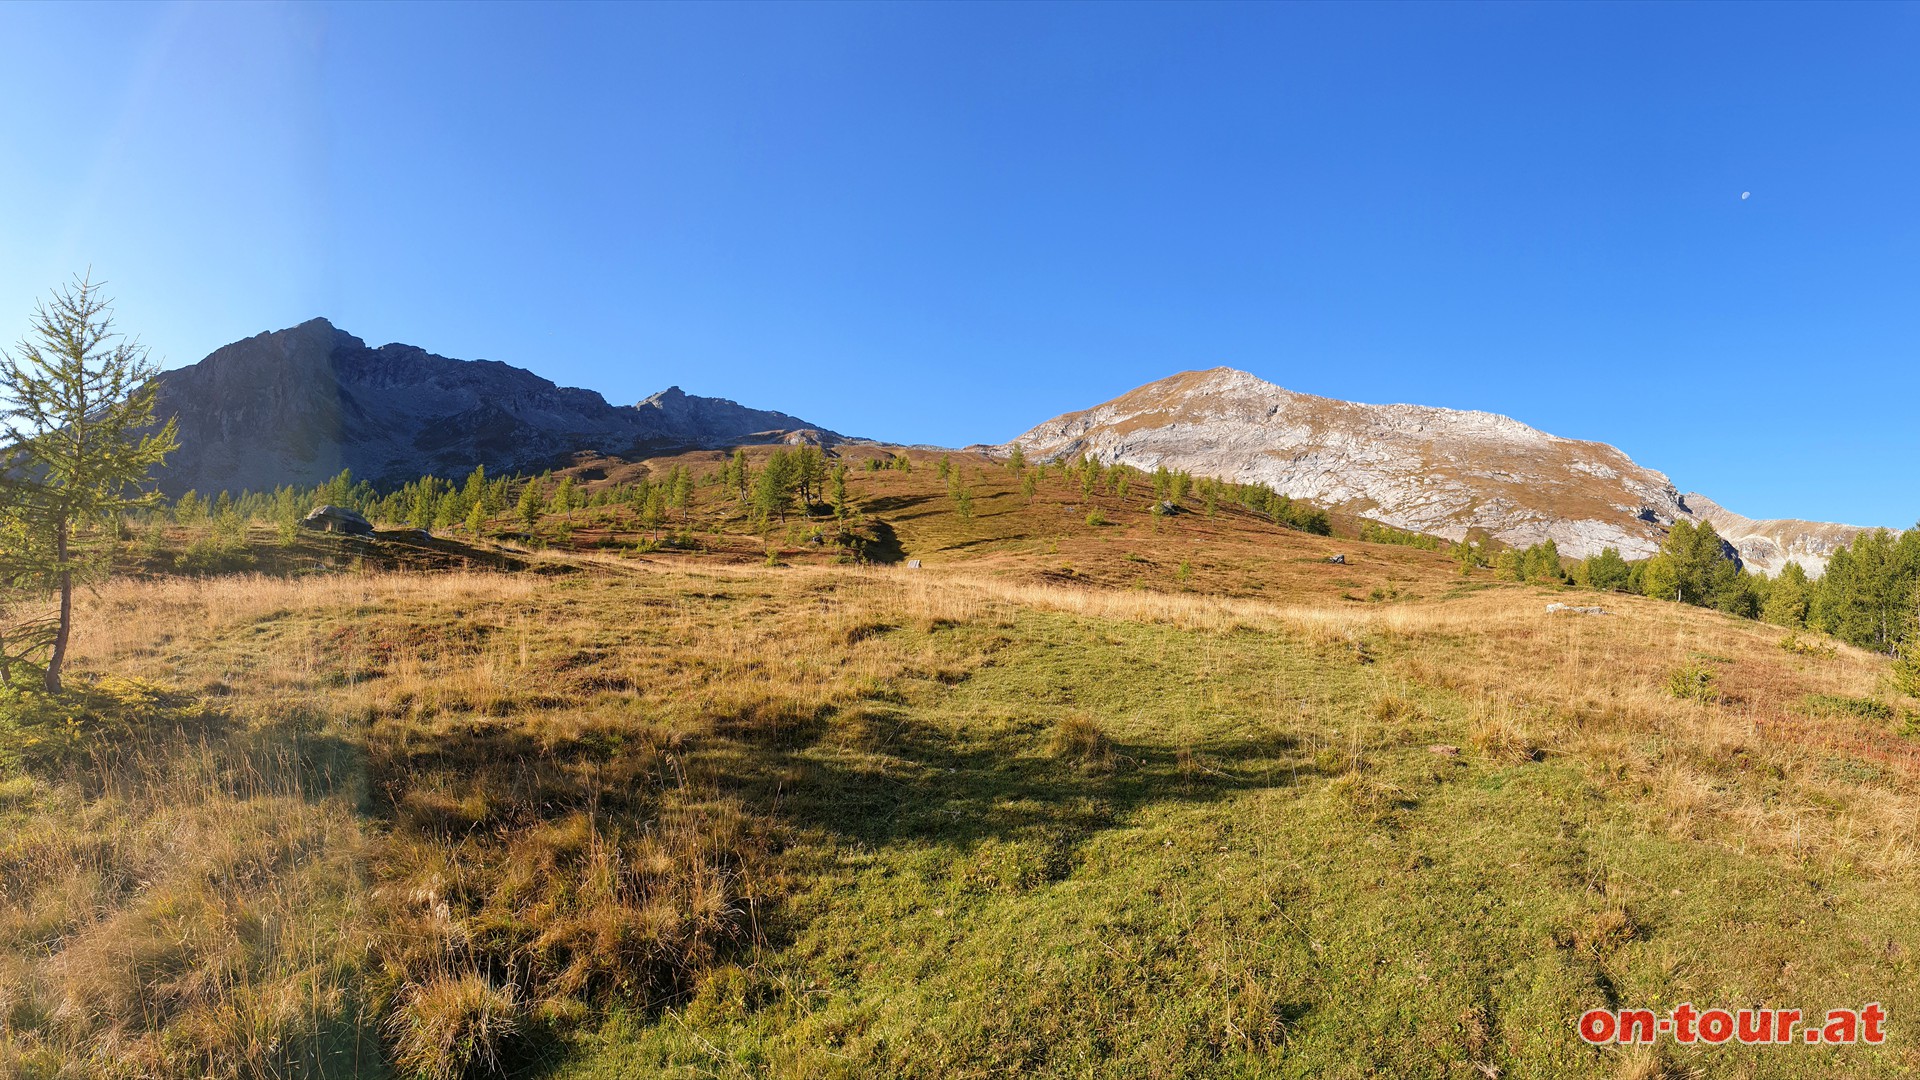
(680, 492)
(1608, 570)
(773, 488)
(741, 480)
(77, 403)
(531, 500)
(1788, 602)
(840, 492)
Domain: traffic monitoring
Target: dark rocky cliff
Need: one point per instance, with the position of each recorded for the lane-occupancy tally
(296, 406)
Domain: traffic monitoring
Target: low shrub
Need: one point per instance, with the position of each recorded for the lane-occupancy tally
(1693, 682)
(1841, 705)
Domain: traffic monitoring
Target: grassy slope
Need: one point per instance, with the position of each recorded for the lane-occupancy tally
(1052, 805)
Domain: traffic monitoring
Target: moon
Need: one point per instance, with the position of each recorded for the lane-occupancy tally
(1744, 194)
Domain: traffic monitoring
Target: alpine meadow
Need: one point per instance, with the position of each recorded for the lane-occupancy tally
(1241, 541)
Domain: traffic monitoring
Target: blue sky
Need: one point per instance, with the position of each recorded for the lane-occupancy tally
(945, 223)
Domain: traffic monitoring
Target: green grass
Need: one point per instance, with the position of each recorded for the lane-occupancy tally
(1219, 903)
(1858, 708)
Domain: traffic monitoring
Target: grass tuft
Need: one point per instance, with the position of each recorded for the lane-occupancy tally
(1079, 738)
(1367, 798)
(455, 1026)
(1397, 709)
(1502, 737)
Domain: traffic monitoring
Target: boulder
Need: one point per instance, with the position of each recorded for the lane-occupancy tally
(1569, 609)
(337, 519)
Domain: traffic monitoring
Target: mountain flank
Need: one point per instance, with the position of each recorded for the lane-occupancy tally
(1441, 471)
(296, 406)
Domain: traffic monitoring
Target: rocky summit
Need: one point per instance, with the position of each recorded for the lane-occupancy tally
(1441, 471)
(1768, 546)
(296, 406)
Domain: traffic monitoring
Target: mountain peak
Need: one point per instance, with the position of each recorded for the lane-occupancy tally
(663, 397)
(1769, 546)
(296, 406)
(1445, 472)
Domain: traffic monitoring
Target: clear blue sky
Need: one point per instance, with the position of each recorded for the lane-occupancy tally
(943, 224)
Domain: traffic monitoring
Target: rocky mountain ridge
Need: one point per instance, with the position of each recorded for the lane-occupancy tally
(1441, 471)
(1768, 546)
(296, 406)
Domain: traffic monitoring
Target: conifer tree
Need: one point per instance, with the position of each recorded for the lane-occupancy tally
(189, 509)
(1659, 579)
(1906, 672)
(530, 504)
(680, 494)
(1180, 483)
(1788, 601)
(1608, 570)
(285, 513)
(1542, 561)
(840, 492)
(653, 510)
(773, 489)
(742, 474)
(1467, 555)
(1511, 565)
(1865, 597)
(565, 497)
(809, 475)
(425, 504)
(77, 404)
(338, 491)
(474, 492)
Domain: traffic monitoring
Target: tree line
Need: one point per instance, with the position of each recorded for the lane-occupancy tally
(1869, 595)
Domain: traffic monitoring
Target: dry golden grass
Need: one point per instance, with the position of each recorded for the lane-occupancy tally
(557, 778)
(450, 1027)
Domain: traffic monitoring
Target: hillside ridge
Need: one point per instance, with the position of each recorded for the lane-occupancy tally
(298, 405)
(1452, 473)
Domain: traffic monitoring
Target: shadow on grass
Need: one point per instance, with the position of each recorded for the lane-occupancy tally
(884, 547)
(905, 782)
(890, 504)
(131, 737)
(987, 541)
